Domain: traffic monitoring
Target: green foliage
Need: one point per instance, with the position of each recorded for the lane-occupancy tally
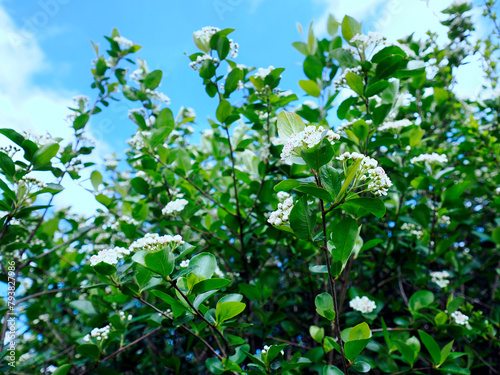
(241, 254)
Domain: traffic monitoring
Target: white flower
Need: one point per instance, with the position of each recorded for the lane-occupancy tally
(412, 228)
(174, 206)
(264, 72)
(32, 182)
(196, 64)
(374, 38)
(395, 125)
(123, 42)
(460, 318)
(378, 181)
(158, 96)
(98, 333)
(110, 256)
(184, 263)
(440, 278)
(306, 139)
(444, 220)
(14, 222)
(363, 304)
(431, 158)
(282, 214)
(283, 195)
(189, 112)
(154, 242)
(137, 75)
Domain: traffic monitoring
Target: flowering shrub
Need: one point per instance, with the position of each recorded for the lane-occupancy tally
(278, 244)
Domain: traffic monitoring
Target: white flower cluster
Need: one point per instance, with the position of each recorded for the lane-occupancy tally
(264, 72)
(98, 333)
(158, 96)
(125, 317)
(430, 158)
(306, 139)
(444, 220)
(81, 99)
(363, 304)
(460, 318)
(110, 256)
(395, 125)
(33, 182)
(202, 39)
(137, 75)
(440, 278)
(341, 81)
(184, 263)
(378, 181)
(283, 195)
(40, 140)
(123, 42)
(372, 38)
(282, 214)
(412, 228)
(153, 242)
(200, 59)
(137, 141)
(174, 206)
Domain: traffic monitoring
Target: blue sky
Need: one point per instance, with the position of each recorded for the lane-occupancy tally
(46, 53)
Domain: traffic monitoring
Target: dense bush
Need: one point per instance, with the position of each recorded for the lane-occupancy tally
(278, 244)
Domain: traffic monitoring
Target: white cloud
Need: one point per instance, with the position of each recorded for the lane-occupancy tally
(26, 106)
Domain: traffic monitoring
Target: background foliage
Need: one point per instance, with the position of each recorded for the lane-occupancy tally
(254, 297)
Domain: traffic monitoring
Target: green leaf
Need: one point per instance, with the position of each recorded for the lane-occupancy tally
(231, 84)
(375, 88)
(355, 82)
(319, 155)
(454, 369)
(88, 350)
(324, 306)
(454, 304)
(289, 123)
(408, 353)
(357, 339)
(315, 192)
(81, 121)
(203, 265)
(140, 185)
(310, 87)
(96, 179)
(445, 352)
(361, 130)
(432, 346)
(210, 284)
(331, 180)
(302, 220)
(83, 306)
(161, 262)
(420, 299)
(228, 310)
(158, 136)
(7, 165)
(44, 154)
(331, 370)
(351, 173)
(14, 136)
(350, 27)
(343, 238)
(374, 206)
(105, 268)
(63, 369)
(388, 66)
(345, 106)
(313, 68)
(223, 110)
(286, 185)
(274, 350)
(317, 333)
(165, 119)
(153, 79)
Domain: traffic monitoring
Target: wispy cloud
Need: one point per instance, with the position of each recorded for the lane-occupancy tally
(27, 106)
